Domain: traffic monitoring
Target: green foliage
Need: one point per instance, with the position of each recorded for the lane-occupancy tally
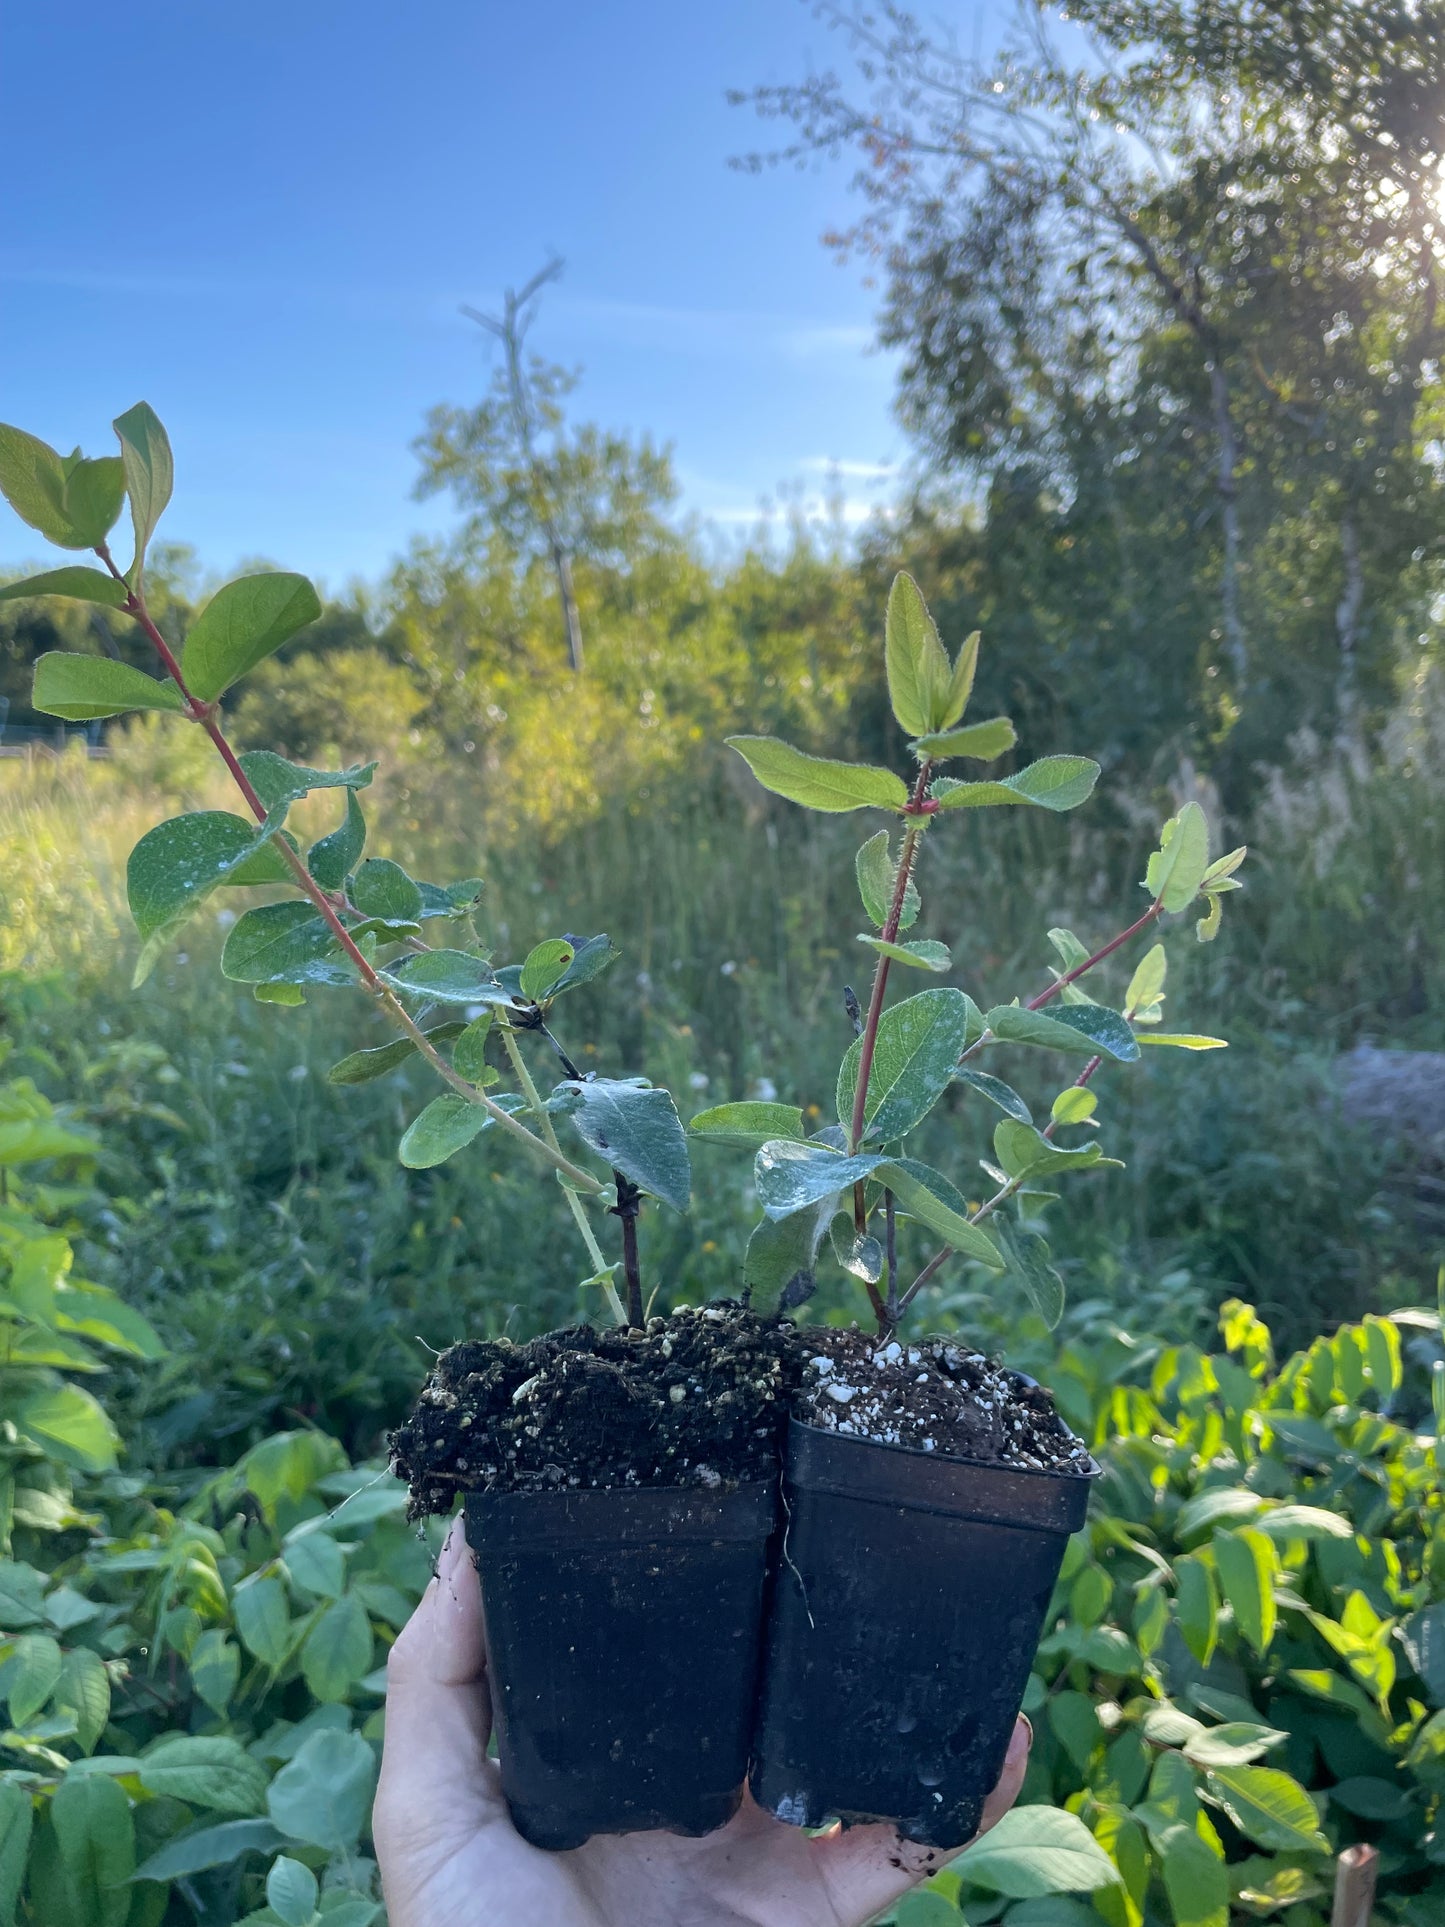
(1236, 1679)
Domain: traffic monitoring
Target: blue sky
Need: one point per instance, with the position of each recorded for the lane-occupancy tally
(263, 219)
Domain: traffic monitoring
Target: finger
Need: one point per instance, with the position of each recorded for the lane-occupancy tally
(435, 1775)
(864, 1868)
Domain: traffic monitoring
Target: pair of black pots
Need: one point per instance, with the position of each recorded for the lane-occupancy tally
(855, 1647)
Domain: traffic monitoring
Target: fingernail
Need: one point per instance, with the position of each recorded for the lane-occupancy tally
(453, 1549)
(1021, 1740)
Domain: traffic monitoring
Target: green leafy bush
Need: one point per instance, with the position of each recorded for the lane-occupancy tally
(191, 1695)
(1245, 1667)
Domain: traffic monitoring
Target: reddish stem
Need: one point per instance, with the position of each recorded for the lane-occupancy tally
(880, 975)
(1037, 1003)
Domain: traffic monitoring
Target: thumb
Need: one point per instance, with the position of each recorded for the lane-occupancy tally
(437, 1784)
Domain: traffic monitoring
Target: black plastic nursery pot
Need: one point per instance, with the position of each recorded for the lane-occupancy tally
(907, 1608)
(623, 1633)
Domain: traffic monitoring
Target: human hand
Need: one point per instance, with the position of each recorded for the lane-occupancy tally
(450, 1856)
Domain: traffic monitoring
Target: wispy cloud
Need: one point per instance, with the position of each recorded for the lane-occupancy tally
(851, 471)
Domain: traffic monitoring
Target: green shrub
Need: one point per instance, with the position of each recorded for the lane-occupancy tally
(1245, 1666)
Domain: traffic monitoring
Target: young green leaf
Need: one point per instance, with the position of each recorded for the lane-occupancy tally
(94, 494)
(929, 1197)
(32, 481)
(982, 741)
(817, 782)
(1144, 999)
(241, 625)
(874, 868)
(1028, 1262)
(791, 1176)
(997, 1092)
(544, 968)
(635, 1127)
(1074, 1106)
(859, 1254)
(918, 1044)
(83, 688)
(1184, 1040)
(292, 1892)
(1082, 1029)
(1177, 868)
(449, 900)
(960, 681)
(469, 1052)
(175, 867)
(877, 877)
(382, 888)
(591, 956)
(1053, 783)
(747, 1124)
(145, 451)
(79, 583)
(925, 955)
(918, 668)
(331, 859)
(1024, 1152)
(284, 943)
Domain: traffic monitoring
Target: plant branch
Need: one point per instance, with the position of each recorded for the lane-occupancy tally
(1156, 909)
(601, 1268)
(629, 1200)
(205, 714)
(1001, 1196)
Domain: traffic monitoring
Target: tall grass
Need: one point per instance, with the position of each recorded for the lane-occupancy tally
(297, 1269)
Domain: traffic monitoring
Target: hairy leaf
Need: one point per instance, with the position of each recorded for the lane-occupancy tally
(925, 955)
(997, 1092)
(817, 782)
(1178, 866)
(1085, 1030)
(1053, 783)
(918, 1045)
(983, 741)
(919, 674)
(635, 1126)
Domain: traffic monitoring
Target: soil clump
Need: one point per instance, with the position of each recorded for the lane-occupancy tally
(698, 1398)
(934, 1395)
